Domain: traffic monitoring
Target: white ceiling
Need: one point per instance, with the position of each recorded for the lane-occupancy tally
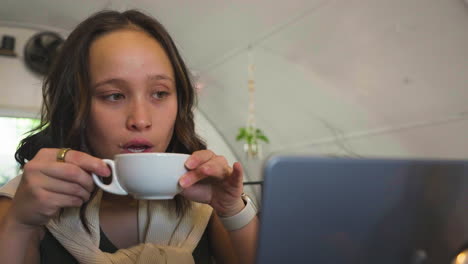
(325, 69)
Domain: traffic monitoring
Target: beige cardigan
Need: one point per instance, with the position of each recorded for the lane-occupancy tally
(164, 237)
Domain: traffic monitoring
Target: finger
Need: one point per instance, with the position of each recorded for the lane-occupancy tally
(193, 177)
(215, 168)
(200, 193)
(67, 188)
(197, 158)
(237, 176)
(70, 173)
(55, 201)
(81, 159)
(189, 178)
(87, 162)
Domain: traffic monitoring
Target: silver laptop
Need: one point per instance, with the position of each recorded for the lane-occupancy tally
(339, 210)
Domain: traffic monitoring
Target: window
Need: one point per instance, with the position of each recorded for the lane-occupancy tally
(11, 132)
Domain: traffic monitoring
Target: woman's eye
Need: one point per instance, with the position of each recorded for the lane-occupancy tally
(160, 95)
(114, 97)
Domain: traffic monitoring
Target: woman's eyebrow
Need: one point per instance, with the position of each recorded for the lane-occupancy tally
(157, 77)
(114, 81)
(119, 82)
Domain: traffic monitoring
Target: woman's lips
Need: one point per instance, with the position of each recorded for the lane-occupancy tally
(137, 146)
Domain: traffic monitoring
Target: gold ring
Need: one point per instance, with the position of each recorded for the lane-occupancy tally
(61, 154)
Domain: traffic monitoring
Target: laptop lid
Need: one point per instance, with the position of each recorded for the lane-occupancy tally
(339, 210)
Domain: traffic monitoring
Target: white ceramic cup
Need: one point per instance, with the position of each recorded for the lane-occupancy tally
(148, 176)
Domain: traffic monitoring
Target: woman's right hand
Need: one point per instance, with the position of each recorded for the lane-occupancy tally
(48, 185)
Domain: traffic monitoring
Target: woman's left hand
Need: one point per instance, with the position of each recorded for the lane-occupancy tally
(211, 180)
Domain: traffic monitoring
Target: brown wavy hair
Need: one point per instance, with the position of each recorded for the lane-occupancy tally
(67, 96)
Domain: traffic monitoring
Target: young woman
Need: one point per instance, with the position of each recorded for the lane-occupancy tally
(119, 85)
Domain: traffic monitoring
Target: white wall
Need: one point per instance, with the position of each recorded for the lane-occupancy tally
(20, 89)
(355, 77)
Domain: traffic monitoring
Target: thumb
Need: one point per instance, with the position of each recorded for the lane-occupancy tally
(236, 179)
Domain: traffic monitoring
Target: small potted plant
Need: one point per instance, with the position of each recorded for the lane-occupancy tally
(252, 136)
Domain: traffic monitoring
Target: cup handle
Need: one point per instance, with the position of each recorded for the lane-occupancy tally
(114, 187)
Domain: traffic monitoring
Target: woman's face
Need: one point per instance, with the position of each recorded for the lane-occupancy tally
(134, 98)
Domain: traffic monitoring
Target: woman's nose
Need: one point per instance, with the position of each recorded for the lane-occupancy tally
(139, 117)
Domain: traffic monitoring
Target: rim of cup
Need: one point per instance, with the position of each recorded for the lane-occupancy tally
(153, 153)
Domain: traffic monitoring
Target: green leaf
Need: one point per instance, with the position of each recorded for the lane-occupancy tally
(259, 133)
(242, 134)
(251, 135)
(264, 138)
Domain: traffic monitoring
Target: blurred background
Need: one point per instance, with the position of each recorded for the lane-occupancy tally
(360, 78)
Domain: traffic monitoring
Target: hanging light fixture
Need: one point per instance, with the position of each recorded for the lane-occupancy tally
(250, 134)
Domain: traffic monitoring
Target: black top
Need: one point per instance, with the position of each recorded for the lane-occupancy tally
(52, 252)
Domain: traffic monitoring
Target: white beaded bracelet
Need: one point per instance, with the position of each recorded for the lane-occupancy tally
(242, 218)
